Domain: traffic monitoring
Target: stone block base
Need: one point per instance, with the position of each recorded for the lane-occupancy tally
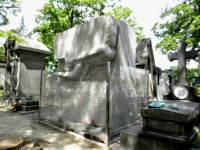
(132, 139)
(29, 109)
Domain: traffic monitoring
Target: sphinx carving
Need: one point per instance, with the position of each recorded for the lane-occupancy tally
(102, 52)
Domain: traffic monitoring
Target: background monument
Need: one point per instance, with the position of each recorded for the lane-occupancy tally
(23, 72)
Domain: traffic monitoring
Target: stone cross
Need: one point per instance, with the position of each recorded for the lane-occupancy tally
(181, 56)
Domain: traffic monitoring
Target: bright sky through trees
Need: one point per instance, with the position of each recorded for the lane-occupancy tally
(146, 12)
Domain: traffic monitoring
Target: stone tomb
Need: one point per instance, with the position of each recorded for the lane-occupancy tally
(85, 83)
(170, 127)
(23, 72)
(178, 123)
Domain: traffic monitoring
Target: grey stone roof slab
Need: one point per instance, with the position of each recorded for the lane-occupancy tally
(34, 46)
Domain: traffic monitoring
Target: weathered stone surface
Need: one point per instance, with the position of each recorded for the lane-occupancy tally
(30, 72)
(131, 139)
(145, 60)
(185, 113)
(182, 83)
(83, 38)
(183, 119)
(84, 96)
(34, 46)
(23, 71)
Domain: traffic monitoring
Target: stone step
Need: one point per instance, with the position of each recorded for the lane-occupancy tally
(28, 102)
(29, 109)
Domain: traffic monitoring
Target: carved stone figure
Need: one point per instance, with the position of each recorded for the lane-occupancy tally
(84, 82)
(105, 52)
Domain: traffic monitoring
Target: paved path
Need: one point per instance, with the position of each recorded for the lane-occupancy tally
(39, 135)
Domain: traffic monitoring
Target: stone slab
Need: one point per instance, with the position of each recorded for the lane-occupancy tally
(34, 46)
(131, 139)
(82, 38)
(30, 108)
(28, 102)
(161, 120)
(187, 111)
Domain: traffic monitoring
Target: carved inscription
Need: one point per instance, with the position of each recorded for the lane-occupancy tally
(164, 115)
(96, 72)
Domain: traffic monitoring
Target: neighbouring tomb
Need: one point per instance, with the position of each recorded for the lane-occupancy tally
(96, 88)
(145, 60)
(25, 60)
(171, 124)
(170, 127)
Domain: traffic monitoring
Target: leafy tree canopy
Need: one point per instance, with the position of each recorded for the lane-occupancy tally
(180, 23)
(190, 73)
(8, 7)
(59, 15)
(125, 14)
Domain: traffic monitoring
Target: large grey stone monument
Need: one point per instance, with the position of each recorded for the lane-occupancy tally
(86, 85)
(25, 60)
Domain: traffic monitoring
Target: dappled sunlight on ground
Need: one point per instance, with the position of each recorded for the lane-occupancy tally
(72, 147)
(27, 126)
(3, 109)
(29, 132)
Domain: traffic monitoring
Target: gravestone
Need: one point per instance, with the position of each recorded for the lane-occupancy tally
(25, 61)
(172, 126)
(85, 84)
(182, 89)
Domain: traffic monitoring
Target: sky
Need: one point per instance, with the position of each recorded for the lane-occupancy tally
(146, 13)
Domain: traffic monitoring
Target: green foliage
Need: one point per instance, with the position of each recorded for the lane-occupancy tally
(181, 23)
(59, 15)
(189, 73)
(2, 53)
(125, 14)
(1, 93)
(196, 141)
(12, 36)
(8, 7)
(197, 90)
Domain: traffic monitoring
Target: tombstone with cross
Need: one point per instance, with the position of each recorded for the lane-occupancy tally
(182, 89)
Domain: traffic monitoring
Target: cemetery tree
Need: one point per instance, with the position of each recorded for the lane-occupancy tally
(181, 23)
(59, 15)
(8, 7)
(125, 14)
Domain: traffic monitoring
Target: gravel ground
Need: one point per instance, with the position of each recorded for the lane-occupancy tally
(38, 136)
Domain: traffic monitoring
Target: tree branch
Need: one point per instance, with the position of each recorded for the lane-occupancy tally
(7, 7)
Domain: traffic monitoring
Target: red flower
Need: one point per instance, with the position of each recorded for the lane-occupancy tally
(92, 121)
